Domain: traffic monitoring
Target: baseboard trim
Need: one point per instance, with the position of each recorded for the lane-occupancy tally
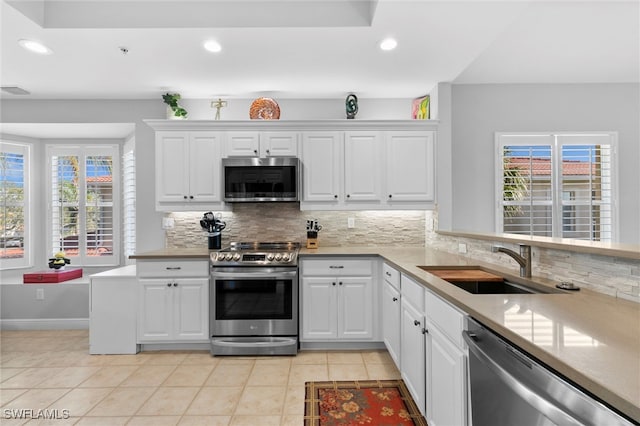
(45, 324)
(341, 346)
(149, 347)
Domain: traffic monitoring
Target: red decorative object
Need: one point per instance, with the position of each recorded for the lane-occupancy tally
(52, 276)
(371, 402)
(264, 109)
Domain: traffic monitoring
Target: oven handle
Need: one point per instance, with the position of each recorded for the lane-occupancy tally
(249, 275)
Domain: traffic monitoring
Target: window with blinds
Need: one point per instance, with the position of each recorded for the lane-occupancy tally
(14, 205)
(557, 185)
(129, 199)
(83, 200)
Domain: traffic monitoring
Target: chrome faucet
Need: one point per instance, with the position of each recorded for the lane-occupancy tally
(523, 259)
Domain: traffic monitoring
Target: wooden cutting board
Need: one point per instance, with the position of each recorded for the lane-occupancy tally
(465, 275)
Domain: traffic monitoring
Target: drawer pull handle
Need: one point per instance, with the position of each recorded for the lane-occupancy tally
(416, 323)
(173, 268)
(336, 267)
(387, 273)
(395, 299)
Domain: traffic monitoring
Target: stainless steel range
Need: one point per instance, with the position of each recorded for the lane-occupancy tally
(253, 299)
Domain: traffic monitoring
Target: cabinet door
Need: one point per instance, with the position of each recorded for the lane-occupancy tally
(242, 144)
(279, 144)
(446, 383)
(410, 166)
(363, 166)
(322, 166)
(319, 312)
(155, 312)
(205, 180)
(172, 166)
(355, 304)
(412, 353)
(391, 321)
(191, 309)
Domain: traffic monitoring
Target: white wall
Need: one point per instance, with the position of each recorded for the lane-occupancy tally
(481, 110)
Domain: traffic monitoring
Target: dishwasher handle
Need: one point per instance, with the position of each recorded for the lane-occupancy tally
(542, 404)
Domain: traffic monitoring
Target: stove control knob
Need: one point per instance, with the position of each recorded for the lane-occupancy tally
(286, 257)
(214, 256)
(236, 257)
(278, 257)
(228, 256)
(270, 257)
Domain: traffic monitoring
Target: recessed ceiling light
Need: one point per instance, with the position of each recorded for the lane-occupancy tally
(388, 44)
(212, 46)
(35, 46)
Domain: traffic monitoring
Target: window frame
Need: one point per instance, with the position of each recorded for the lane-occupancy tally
(82, 151)
(555, 141)
(25, 149)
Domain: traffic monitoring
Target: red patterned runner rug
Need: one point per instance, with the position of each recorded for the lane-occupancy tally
(363, 402)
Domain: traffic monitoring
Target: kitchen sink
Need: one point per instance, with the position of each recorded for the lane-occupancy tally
(477, 280)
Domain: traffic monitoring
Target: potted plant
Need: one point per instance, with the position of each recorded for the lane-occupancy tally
(174, 111)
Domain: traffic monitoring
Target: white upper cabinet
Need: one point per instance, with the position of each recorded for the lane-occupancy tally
(362, 160)
(357, 170)
(410, 166)
(322, 166)
(261, 144)
(187, 169)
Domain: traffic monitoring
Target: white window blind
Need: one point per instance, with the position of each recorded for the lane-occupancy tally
(84, 207)
(557, 185)
(14, 205)
(129, 199)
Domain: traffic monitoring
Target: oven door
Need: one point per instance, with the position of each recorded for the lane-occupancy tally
(254, 301)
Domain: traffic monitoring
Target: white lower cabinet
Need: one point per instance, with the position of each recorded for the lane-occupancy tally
(446, 364)
(175, 309)
(391, 321)
(173, 301)
(391, 311)
(337, 307)
(412, 340)
(446, 395)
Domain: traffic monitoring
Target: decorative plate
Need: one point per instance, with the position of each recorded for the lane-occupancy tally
(264, 109)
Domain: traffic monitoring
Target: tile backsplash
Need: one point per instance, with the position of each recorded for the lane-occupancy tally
(285, 222)
(617, 277)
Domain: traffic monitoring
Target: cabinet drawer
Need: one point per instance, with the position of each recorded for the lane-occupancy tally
(169, 268)
(337, 266)
(412, 292)
(391, 275)
(447, 318)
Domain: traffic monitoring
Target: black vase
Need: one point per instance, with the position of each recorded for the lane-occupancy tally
(351, 105)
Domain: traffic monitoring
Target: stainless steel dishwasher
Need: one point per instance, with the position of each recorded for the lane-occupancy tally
(510, 388)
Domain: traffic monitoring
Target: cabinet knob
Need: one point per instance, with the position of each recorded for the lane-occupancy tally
(175, 284)
(255, 151)
(340, 283)
(390, 195)
(333, 283)
(268, 152)
(169, 285)
(185, 197)
(348, 195)
(416, 323)
(425, 331)
(335, 196)
(395, 299)
(191, 197)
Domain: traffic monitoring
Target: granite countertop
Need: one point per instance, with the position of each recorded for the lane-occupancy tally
(592, 339)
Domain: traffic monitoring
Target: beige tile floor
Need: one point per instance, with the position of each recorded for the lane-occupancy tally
(53, 370)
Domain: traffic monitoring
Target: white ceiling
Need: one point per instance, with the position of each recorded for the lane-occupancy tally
(311, 48)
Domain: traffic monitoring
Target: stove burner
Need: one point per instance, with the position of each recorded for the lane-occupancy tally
(257, 253)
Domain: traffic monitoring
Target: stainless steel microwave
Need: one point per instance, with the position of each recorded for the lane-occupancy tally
(252, 180)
